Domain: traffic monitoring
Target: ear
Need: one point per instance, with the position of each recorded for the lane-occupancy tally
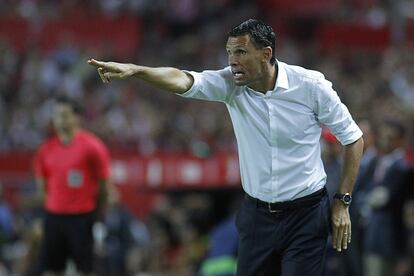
(267, 53)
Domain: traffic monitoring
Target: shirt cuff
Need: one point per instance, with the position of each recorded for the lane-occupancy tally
(194, 88)
(353, 137)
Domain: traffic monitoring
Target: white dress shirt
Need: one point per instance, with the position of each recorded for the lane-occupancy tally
(278, 132)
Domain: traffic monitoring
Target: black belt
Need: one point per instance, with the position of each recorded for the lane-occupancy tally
(289, 205)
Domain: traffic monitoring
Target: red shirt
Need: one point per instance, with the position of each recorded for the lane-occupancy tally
(72, 172)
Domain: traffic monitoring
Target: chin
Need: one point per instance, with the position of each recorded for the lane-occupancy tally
(240, 82)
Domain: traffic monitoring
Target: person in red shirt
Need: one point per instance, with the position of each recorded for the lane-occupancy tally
(72, 168)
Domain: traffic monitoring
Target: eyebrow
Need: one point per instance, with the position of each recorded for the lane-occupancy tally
(237, 47)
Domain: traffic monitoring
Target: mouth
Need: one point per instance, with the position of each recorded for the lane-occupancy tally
(237, 74)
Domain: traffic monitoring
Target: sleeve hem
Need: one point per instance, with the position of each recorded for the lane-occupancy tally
(353, 138)
(193, 89)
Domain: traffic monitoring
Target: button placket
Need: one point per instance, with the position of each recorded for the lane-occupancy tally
(273, 142)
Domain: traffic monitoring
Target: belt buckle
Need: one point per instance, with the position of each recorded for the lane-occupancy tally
(269, 205)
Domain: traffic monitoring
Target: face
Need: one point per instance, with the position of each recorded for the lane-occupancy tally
(247, 63)
(64, 119)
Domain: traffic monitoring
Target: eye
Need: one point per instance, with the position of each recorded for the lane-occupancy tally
(241, 52)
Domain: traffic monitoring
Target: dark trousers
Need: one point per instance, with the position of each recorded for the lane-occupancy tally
(67, 237)
(288, 243)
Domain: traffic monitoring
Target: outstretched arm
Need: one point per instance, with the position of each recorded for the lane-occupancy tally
(165, 78)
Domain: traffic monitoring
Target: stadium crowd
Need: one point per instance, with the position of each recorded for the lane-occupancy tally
(174, 240)
(136, 117)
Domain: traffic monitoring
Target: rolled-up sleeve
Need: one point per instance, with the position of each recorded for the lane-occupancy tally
(210, 85)
(331, 112)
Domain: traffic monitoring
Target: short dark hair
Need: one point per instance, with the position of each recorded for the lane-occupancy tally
(76, 107)
(261, 35)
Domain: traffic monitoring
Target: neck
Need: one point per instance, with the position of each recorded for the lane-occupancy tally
(269, 80)
(66, 136)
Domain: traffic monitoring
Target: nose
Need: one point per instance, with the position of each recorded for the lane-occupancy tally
(232, 60)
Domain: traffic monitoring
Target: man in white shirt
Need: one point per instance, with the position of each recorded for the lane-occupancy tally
(277, 111)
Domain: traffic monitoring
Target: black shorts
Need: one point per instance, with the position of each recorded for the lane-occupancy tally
(67, 237)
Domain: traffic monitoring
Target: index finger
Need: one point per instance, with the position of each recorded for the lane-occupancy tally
(96, 63)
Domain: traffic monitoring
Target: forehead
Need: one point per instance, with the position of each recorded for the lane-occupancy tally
(239, 41)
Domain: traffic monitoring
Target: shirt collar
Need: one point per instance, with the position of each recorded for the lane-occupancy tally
(282, 79)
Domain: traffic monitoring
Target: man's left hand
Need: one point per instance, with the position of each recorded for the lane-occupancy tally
(341, 226)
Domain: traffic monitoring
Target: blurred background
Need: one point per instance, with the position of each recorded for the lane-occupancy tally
(174, 160)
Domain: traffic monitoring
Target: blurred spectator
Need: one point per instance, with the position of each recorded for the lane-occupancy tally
(30, 263)
(384, 240)
(7, 230)
(113, 237)
(405, 266)
(221, 259)
(139, 255)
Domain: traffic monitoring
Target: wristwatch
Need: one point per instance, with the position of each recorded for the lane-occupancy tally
(346, 198)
